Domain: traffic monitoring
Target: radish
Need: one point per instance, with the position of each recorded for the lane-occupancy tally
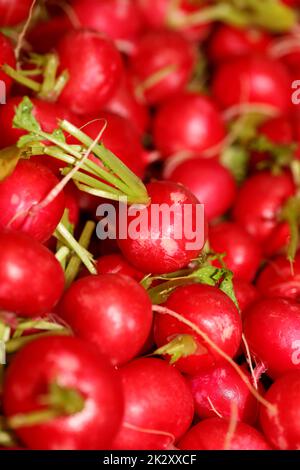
(212, 434)
(259, 203)
(158, 406)
(210, 310)
(272, 330)
(117, 264)
(198, 126)
(72, 392)
(94, 67)
(125, 104)
(157, 247)
(163, 63)
(243, 254)
(216, 388)
(229, 43)
(111, 311)
(120, 137)
(25, 188)
(13, 12)
(7, 56)
(118, 19)
(256, 80)
(158, 14)
(45, 35)
(31, 279)
(279, 133)
(205, 178)
(246, 294)
(47, 114)
(278, 280)
(282, 429)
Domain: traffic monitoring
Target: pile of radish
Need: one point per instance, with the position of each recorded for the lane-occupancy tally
(152, 342)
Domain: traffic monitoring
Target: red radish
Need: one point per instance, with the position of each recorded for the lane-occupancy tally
(245, 293)
(94, 66)
(45, 35)
(272, 330)
(25, 188)
(279, 280)
(211, 311)
(31, 279)
(158, 247)
(47, 114)
(72, 204)
(111, 311)
(206, 178)
(282, 428)
(243, 254)
(212, 434)
(158, 406)
(168, 59)
(277, 131)
(75, 368)
(118, 19)
(229, 43)
(255, 80)
(120, 137)
(156, 14)
(13, 12)
(125, 104)
(117, 264)
(196, 128)
(260, 202)
(7, 56)
(216, 388)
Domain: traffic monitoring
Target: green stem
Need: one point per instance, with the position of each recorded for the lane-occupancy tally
(181, 346)
(50, 71)
(82, 253)
(20, 78)
(93, 182)
(37, 325)
(156, 78)
(110, 161)
(62, 255)
(75, 262)
(15, 344)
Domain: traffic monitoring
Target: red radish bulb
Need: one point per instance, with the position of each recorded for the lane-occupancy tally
(272, 330)
(196, 128)
(259, 202)
(245, 293)
(278, 279)
(94, 66)
(229, 43)
(166, 53)
(118, 19)
(111, 311)
(13, 12)
(158, 406)
(213, 312)
(117, 264)
(158, 247)
(31, 279)
(255, 80)
(73, 365)
(215, 389)
(282, 428)
(206, 179)
(243, 254)
(211, 434)
(25, 188)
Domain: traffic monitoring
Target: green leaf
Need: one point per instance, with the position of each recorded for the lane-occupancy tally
(9, 158)
(24, 118)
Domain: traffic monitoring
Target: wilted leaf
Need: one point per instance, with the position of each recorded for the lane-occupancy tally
(9, 158)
